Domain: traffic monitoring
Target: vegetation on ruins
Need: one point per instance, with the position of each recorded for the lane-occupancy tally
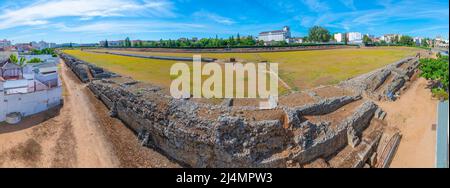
(437, 70)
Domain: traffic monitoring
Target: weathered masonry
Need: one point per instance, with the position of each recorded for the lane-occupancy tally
(324, 127)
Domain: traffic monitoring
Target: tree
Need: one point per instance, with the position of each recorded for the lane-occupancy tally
(319, 34)
(424, 42)
(367, 40)
(13, 58)
(395, 40)
(21, 62)
(406, 40)
(127, 42)
(238, 39)
(106, 44)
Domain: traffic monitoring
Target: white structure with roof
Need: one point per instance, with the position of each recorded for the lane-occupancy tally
(354, 37)
(339, 37)
(277, 36)
(32, 90)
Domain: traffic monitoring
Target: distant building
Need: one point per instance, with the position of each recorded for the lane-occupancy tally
(418, 40)
(117, 43)
(339, 37)
(389, 38)
(42, 45)
(5, 43)
(277, 36)
(354, 37)
(441, 42)
(296, 40)
(24, 47)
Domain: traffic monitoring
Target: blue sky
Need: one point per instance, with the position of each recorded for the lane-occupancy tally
(93, 20)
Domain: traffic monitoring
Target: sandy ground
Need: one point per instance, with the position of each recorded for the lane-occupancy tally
(414, 114)
(80, 134)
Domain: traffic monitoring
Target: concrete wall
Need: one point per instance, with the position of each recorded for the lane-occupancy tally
(29, 103)
(2, 109)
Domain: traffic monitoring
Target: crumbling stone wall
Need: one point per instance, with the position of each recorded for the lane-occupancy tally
(223, 137)
(83, 69)
(376, 84)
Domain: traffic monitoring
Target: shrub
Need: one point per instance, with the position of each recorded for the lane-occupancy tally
(35, 60)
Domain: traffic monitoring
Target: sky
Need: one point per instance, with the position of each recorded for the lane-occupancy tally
(88, 21)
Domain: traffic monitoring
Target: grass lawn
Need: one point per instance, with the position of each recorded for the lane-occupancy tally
(299, 69)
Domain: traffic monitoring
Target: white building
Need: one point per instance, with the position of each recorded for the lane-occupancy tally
(389, 38)
(339, 37)
(28, 90)
(418, 40)
(5, 43)
(276, 36)
(42, 45)
(354, 37)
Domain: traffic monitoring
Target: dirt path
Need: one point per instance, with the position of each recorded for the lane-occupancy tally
(80, 134)
(414, 114)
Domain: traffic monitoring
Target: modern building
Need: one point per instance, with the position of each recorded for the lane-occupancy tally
(28, 90)
(339, 37)
(276, 36)
(354, 37)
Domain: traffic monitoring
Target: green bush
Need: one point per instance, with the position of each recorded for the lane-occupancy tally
(35, 60)
(438, 71)
(440, 93)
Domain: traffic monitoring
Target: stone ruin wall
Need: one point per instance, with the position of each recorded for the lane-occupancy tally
(376, 85)
(221, 137)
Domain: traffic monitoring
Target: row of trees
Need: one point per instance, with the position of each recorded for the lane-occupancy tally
(316, 34)
(202, 43)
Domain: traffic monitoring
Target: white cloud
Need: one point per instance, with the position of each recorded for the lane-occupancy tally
(214, 17)
(42, 12)
(400, 11)
(122, 27)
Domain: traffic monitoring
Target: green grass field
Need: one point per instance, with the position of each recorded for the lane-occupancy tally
(299, 69)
